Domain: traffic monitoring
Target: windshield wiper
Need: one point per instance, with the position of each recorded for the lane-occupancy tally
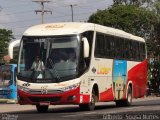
(53, 67)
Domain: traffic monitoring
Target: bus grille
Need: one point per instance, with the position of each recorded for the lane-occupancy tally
(48, 92)
(45, 99)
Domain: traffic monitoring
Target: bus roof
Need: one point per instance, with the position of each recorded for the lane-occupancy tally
(70, 28)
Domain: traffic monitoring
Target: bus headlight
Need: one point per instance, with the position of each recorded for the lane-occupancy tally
(23, 88)
(71, 87)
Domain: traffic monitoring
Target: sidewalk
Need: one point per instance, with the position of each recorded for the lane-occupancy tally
(15, 108)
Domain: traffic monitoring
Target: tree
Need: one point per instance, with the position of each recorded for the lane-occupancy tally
(146, 3)
(156, 7)
(136, 20)
(5, 37)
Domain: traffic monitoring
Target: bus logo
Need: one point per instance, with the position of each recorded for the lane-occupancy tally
(26, 84)
(54, 26)
(44, 90)
(103, 70)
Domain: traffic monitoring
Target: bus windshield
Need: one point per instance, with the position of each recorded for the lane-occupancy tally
(48, 59)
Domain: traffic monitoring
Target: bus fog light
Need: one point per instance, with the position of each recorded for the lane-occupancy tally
(71, 98)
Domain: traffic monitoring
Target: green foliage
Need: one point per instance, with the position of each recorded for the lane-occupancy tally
(129, 18)
(5, 37)
(157, 7)
(147, 3)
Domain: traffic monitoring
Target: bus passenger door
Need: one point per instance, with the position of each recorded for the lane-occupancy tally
(119, 78)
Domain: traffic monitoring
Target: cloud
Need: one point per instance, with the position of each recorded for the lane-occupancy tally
(67, 2)
(7, 19)
(1, 26)
(4, 17)
(74, 1)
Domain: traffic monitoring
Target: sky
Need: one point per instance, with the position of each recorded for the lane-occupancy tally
(18, 15)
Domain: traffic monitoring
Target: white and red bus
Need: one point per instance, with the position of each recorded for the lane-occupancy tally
(106, 64)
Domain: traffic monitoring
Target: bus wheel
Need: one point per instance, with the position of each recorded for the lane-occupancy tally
(42, 109)
(90, 106)
(129, 97)
(128, 101)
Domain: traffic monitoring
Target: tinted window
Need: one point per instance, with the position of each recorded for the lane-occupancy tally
(119, 48)
(108, 46)
(142, 51)
(100, 45)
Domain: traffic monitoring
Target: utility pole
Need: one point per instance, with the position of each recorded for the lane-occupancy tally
(72, 10)
(42, 11)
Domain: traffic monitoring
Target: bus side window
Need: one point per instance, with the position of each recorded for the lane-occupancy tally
(100, 45)
(107, 47)
(142, 51)
(126, 49)
(131, 50)
(134, 50)
(137, 51)
(112, 44)
(119, 48)
(122, 49)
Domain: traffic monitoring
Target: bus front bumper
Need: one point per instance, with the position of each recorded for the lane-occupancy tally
(67, 97)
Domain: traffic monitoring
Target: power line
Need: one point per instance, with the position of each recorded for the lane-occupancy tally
(81, 5)
(37, 19)
(42, 11)
(50, 18)
(22, 4)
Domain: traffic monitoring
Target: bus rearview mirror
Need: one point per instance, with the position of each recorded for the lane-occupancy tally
(85, 47)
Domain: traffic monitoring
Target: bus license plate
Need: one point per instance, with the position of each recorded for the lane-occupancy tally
(44, 103)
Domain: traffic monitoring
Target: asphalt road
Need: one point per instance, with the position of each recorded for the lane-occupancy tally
(144, 109)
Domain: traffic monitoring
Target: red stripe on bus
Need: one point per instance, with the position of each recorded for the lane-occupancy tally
(107, 95)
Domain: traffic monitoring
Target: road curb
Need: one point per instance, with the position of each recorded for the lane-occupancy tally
(3, 100)
(8, 101)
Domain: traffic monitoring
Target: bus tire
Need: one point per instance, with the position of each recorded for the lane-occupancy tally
(89, 106)
(126, 102)
(119, 103)
(42, 109)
